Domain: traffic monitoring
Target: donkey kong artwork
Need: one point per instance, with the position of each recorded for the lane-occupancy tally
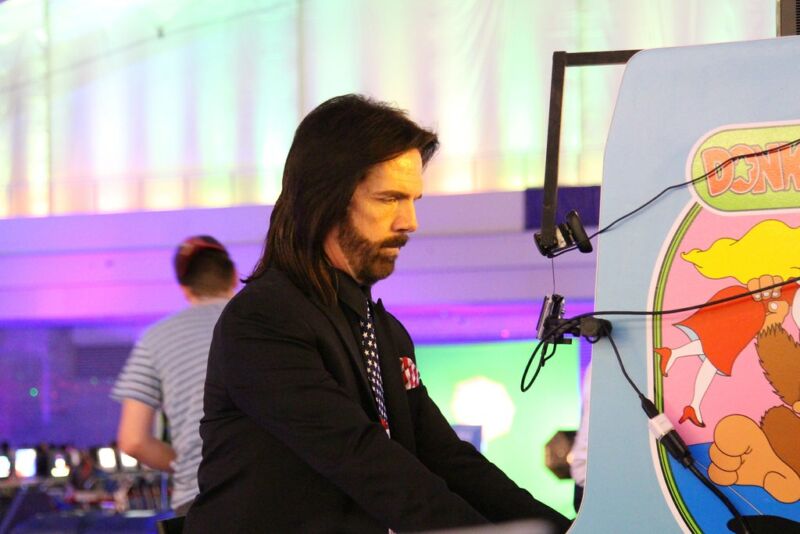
(766, 454)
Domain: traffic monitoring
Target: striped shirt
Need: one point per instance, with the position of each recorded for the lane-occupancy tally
(167, 371)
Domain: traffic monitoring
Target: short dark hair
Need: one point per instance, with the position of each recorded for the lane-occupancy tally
(333, 149)
(203, 265)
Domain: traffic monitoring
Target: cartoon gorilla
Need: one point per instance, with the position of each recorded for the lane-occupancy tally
(766, 454)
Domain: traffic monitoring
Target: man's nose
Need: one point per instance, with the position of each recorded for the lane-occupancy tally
(406, 220)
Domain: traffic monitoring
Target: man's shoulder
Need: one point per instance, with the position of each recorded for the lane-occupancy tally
(272, 292)
(198, 315)
(272, 283)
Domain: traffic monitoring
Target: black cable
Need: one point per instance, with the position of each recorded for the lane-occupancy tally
(542, 360)
(675, 445)
(551, 334)
(622, 367)
(568, 324)
(693, 181)
(686, 308)
(671, 441)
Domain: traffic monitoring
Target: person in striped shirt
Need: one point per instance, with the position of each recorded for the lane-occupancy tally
(167, 368)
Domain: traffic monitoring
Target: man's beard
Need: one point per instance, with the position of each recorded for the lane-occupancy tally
(367, 259)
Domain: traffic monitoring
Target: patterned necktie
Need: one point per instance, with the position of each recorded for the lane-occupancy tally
(369, 346)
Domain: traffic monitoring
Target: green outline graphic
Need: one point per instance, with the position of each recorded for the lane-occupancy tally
(658, 303)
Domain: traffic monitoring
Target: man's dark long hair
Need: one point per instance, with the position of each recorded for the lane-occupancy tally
(333, 149)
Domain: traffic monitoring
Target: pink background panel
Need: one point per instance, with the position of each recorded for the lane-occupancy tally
(746, 391)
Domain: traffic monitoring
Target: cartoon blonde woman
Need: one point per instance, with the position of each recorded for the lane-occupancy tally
(719, 333)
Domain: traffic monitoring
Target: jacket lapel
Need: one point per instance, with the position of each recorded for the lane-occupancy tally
(339, 322)
(393, 389)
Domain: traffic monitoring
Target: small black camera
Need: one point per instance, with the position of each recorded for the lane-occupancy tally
(569, 233)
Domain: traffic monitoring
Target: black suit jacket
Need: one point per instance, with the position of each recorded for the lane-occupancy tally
(291, 439)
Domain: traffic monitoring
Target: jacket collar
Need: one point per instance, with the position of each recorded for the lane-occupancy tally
(351, 294)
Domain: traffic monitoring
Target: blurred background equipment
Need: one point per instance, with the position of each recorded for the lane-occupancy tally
(557, 453)
(60, 488)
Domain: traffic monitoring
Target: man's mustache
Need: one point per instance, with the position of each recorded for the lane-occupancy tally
(395, 242)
